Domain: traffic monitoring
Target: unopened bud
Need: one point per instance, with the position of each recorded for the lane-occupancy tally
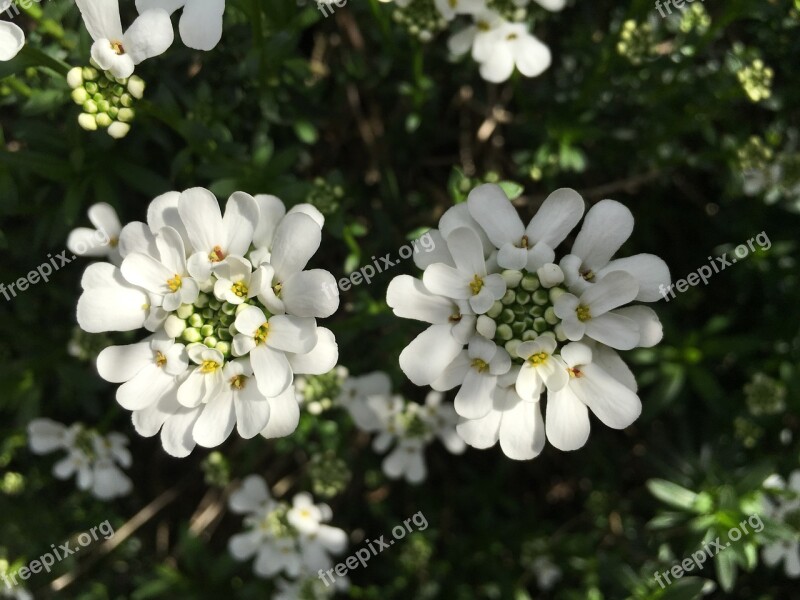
(87, 122)
(126, 115)
(118, 130)
(550, 275)
(89, 74)
(174, 326)
(75, 77)
(136, 87)
(486, 327)
(190, 334)
(103, 120)
(79, 96)
(90, 106)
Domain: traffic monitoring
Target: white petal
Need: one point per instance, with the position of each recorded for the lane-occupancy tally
(650, 328)
(651, 272)
(145, 389)
(410, 299)
(146, 272)
(137, 237)
(558, 215)
(216, 421)
(614, 330)
(292, 334)
(200, 213)
(465, 246)
(271, 210)
(522, 435)
(308, 294)
(201, 23)
(12, 39)
(284, 415)
(163, 212)
(532, 57)
(499, 64)
(250, 496)
(491, 208)
(611, 401)
(271, 369)
(239, 222)
(576, 354)
(109, 303)
(447, 281)
(243, 546)
(453, 373)
(120, 363)
(46, 435)
(613, 290)
(606, 227)
(296, 240)
(481, 433)
(321, 359)
(425, 359)
(252, 410)
(101, 18)
(474, 399)
(611, 362)
(438, 252)
(176, 434)
(150, 35)
(566, 420)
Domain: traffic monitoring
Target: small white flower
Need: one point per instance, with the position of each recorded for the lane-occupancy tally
(592, 314)
(234, 282)
(149, 35)
(469, 279)
(476, 370)
(12, 39)
(100, 242)
(201, 20)
(541, 368)
(590, 386)
(786, 551)
(607, 226)
(109, 302)
(355, 395)
(449, 9)
(205, 382)
(512, 45)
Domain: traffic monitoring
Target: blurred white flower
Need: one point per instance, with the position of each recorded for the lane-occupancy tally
(148, 36)
(201, 20)
(12, 39)
(784, 509)
(102, 241)
(94, 460)
(294, 540)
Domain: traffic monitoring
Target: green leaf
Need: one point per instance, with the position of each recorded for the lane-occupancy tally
(686, 588)
(512, 190)
(672, 494)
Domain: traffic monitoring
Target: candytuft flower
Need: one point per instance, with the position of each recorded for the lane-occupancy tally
(201, 20)
(552, 330)
(12, 39)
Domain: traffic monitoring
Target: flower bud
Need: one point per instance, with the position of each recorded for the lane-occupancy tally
(550, 316)
(87, 122)
(90, 106)
(512, 277)
(210, 341)
(118, 130)
(556, 293)
(103, 120)
(75, 77)
(541, 297)
(91, 87)
(550, 275)
(207, 330)
(89, 74)
(495, 310)
(509, 297)
(223, 347)
(174, 326)
(504, 332)
(126, 115)
(126, 100)
(195, 320)
(103, 105)
(486, 327)
(530, 283)
(511, 347)
(191, 334)
(184, 311)
(136, 87)
(79, 96)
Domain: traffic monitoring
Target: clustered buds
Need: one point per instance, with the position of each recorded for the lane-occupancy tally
(107, 101)
(207, 321)
(421, 19)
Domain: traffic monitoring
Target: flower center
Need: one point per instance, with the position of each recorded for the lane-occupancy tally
(455, 318)
(238, 382)
(481, 366)
(511, 36)
(240, 289)
(575, 372)
(261, 334)
(113, 242)
(583, 312)
(538, 359)
(161, 360)
(216, 255)
(174, 284)
(525, 311)
(118, 49)
(209, 366)
(476, 285)
(587, 275)
(483, 26)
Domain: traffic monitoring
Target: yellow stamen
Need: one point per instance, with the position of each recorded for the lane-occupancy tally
(174, 284)
(538, 359)
(456, 318)
(483, 26)
(161, 360)
(476, 285)
(511, 36)
(583, 312)
(237, 382)
(480, 365)
(588, 275)
(240, 289)
(575, 372)
(209, 366)
(113, 242)
(261, 334)
(117, 48)
(216, 255)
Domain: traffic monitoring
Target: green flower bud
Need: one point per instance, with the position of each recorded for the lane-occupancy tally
(195, 320)
(87, 122)
(223, 347)
(126, 115)
(214, 303)
(118, 130)
(113, 111)
(224, 334)
(495, 310)
(509, 297)
(529, 335)
(117, 90)
(504, 332)
(512, 277)
(90, 106)
(556, 293)
(559, 331)
(530, 282)
(539, 324)
(511, 347)
(79, 96)
(89, 74)
(202, 301)
(210, 341)
(229, 308)
(550, 316)
(75, 77)
(136, 87)
(103, 106)
(126, 100)
(103, 120)
(208, 314)
(507, 316)
(541, 297)
(102, 84)
(523, 297)
(536, 311)
(207, 330)
(91, 87)
(184, 311)
(227, 319)
(190, 334)
(518, 328)
(174, 326)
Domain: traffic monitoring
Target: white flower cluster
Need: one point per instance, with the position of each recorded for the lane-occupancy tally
(12, 39)
(229, 332)
(292, 540)
(507, 322)
(786, 510)
(151, 33)
(94, 459)
(498, 39)
(408, 426)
